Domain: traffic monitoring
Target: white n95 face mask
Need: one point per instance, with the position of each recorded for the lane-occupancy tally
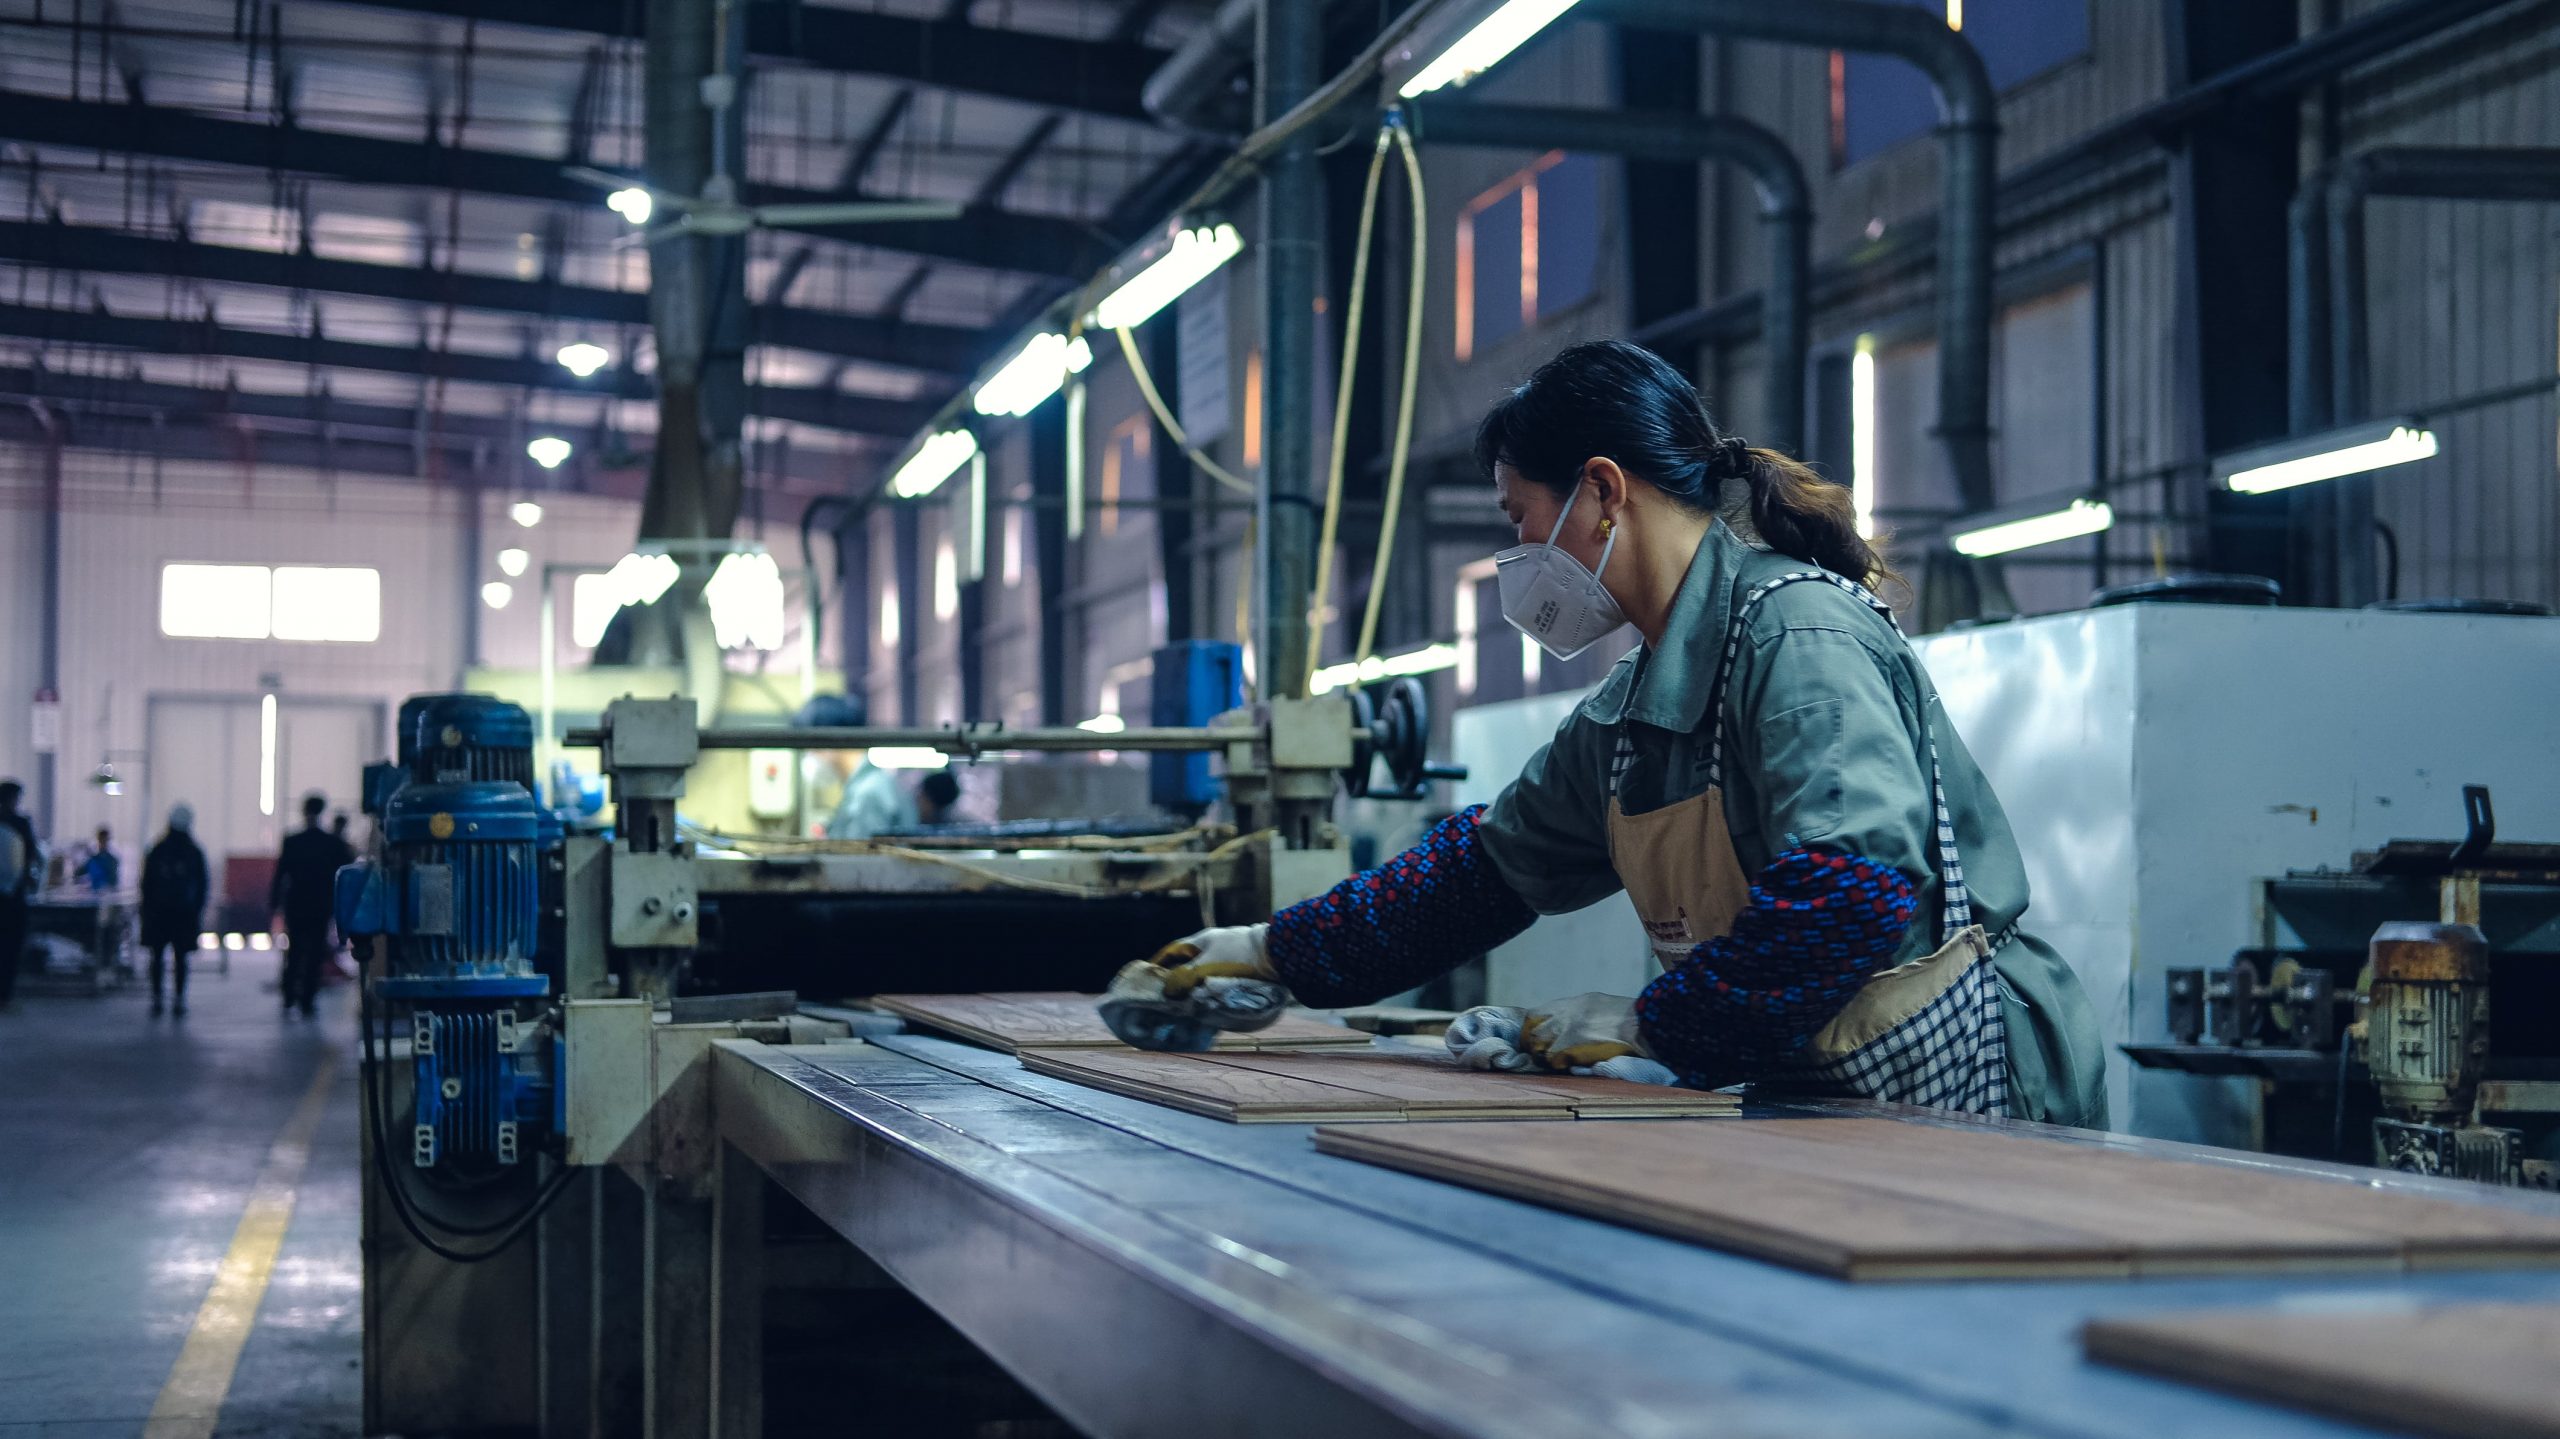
(1548, 595)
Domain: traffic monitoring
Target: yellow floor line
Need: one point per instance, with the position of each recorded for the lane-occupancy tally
(191, 1401)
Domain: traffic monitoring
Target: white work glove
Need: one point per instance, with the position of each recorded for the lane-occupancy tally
(1488, 1037)
(1582, 1031)
(1230, 952)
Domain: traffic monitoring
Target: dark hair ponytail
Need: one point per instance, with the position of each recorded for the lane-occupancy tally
(1613, 399)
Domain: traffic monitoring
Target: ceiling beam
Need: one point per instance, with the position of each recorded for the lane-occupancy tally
(1059, 249)
(822, 409)
(1099, 77)
(934, 349)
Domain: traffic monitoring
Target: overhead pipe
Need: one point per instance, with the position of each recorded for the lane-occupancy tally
(2331, 382)
(1786, 205)
(1969, 132)
(1199, 77)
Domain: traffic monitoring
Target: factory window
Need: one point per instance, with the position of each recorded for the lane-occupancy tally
(946, 580)
(285, 602)
(1015, 521)
(1878, 102)
(1124, 462)
(593, 602)
(1528, 248)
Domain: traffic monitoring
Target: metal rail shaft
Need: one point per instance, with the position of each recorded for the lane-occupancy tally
(950, 741)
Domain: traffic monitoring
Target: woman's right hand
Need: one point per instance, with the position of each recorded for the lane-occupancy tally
(1227, 952)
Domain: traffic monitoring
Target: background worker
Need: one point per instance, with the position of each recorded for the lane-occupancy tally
(869, 802)
(304, 895)
(175, 884)
(21, 871)
(102, 872)
(937, 795)
(1823, 874)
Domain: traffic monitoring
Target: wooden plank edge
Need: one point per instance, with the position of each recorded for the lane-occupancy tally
(2137, 1345)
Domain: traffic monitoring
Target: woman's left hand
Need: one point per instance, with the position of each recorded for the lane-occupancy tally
(1583, 1030)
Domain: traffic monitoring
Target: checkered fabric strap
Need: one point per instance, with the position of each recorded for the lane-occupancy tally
(1955, 905)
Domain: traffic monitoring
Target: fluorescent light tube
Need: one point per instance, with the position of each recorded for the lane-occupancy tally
(1484, 46)
(640, 579)
(2080, 517)
(1379, 667)
(747, 603)
(1194, 256)
(2350, 451)
(933, 462)
(1035, 373)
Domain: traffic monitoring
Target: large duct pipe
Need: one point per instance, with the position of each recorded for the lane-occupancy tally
(1199, 79)
(1292, 258)
(2332, 371)
(1786, 206)
(1969, 130)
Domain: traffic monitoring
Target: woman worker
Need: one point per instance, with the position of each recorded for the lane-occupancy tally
(1824, 875)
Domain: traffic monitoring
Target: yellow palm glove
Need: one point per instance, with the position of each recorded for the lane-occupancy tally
(1583, 1030)
(1231, 952)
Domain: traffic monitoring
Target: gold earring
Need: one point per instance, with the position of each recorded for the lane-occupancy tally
(1608, 526)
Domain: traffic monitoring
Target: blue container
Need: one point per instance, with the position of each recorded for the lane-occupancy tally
(1195, 682)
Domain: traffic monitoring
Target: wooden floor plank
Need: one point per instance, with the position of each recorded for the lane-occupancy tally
(1882, 1199)
(1066, 1020)
(2467, 1369)
(1202, 1086)
(1289, 1086)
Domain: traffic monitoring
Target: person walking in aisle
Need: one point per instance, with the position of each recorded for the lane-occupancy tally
(303, 894)
(21, 868)
(175, 885)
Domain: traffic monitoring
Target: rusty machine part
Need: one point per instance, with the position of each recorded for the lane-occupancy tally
(2427, 1045)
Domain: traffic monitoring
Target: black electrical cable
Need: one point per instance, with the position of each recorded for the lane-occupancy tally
(503, 1233)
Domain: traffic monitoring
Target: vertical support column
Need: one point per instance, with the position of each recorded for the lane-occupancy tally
(1289, 47)
(1175, 486)
(737, 1298)
(676, 1325)
(48, 765)
(564, 1310)
(905, 549)
(616, 1368)
(1049, 529)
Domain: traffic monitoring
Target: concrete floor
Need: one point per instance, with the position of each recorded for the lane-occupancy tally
(128, 1148)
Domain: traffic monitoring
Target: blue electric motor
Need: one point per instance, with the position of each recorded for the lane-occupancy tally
(466, 737)
(455, 898)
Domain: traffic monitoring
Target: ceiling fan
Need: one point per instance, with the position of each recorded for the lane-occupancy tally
(716, 212)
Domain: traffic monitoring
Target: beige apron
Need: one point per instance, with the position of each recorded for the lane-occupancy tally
(1928, 1032)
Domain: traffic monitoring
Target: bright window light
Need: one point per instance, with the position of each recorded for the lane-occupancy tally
(234, 941)
(1035, 373)
(1103, 724)
(496, 594)
(1533, 663)
(583, 358)
(208, 940)
(261, 941)
(266, 755)
(907, 757)
(1013, 544)
(889, 616)
(1862, 435)
(593, 602)
(1194, 256)
(549, 451)
(512, 561)
(1483, 47)
(2080, 517)
(946, 580)
(216, 602)
(340, 603)
(640, 579)
(747, 602)
(933, 462)
(632, 204)
(1379, 667)
(2350, 451)
(525, 513)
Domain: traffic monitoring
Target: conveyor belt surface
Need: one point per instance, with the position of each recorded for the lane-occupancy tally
(1155, 1273)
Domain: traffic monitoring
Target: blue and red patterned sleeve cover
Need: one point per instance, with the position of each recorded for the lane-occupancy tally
(1385, 930)
(1819, 925)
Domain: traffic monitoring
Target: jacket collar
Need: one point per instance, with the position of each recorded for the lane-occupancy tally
(1669, 688)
